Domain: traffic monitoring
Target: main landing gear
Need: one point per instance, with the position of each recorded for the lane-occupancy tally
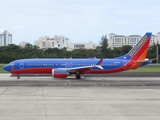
(78, 76)
(18, 77)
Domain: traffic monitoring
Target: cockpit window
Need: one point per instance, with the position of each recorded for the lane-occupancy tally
(12, 63)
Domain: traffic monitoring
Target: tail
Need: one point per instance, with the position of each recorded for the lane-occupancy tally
(139, 51)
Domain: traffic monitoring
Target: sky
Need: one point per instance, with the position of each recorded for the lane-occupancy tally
(78, 20)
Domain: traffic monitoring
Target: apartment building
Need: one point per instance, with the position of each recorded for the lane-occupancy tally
(55, 42)
(89, 45)
(121, 40)
(5, 38)
(22, 44)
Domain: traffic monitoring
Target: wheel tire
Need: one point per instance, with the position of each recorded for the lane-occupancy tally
(18, 77)
(78, 76)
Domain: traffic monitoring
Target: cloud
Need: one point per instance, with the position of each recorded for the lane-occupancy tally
(19, 28)
(124, 22)
(89, 18)
(30, 9)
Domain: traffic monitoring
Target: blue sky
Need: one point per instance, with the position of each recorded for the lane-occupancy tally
(79, 20)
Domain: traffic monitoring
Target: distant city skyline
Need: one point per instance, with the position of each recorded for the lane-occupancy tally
(80, 21)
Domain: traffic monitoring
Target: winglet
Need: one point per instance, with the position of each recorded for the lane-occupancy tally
(99, 63)
(146, 60)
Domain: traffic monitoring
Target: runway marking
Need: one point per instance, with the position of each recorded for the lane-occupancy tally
(44, 102)
(107, 84)
(4, 91)
(143, 85)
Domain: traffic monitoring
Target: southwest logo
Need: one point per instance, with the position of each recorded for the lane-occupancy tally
(138, 46)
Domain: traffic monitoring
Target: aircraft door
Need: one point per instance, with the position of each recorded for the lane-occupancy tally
(68, 65)
(21, 64)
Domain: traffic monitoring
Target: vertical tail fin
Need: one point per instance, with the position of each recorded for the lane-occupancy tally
(139, 51)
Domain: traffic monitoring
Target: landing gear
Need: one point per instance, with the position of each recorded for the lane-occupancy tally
(78, 76)
(18, 77)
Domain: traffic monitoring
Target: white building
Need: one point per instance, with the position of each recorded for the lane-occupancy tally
(5, 38)
(89, 45)
(22, 44)
(55, 42)
(121, 40)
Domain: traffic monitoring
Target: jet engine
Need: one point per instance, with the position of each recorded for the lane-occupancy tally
(59, 73)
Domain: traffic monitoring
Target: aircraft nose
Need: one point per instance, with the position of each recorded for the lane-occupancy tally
(6, 68)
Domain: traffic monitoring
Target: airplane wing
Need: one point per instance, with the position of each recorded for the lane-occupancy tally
(98, 65)
(146, 60)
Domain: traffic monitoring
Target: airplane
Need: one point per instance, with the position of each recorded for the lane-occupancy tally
(62, 68)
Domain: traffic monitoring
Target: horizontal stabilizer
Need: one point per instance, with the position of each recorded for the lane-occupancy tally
(146, 60)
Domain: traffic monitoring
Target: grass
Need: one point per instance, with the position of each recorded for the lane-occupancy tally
(146, 69)
(2, 64)
(2, 71)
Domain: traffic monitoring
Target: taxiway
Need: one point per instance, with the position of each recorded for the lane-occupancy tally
(105, 81)
(98, 98)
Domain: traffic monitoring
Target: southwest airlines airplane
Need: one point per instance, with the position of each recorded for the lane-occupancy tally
(61, 68)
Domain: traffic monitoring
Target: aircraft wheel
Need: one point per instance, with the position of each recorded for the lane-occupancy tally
(18, 77)
(78, 76)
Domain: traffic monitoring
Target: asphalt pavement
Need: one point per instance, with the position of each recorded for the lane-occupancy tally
(90, 98)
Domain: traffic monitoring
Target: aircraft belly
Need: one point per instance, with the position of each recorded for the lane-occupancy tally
(105, 71)
(33, 71)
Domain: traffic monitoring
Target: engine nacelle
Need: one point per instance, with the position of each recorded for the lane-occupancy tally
(59, 73)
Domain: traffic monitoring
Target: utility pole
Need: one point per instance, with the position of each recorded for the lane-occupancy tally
(157, 54)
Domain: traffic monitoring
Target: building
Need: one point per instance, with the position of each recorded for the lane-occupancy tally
(55, 42)
(121, 40)
(5, 38)
(22, 44)
(89, 45)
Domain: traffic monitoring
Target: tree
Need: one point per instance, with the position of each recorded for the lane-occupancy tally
(104, 46)
(29, 46)
(126, 49)
(13, 52)
(117, 51)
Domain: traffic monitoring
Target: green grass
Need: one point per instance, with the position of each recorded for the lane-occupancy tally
(2, 64)
(2, 71)
(146, 69)
(153, 65)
